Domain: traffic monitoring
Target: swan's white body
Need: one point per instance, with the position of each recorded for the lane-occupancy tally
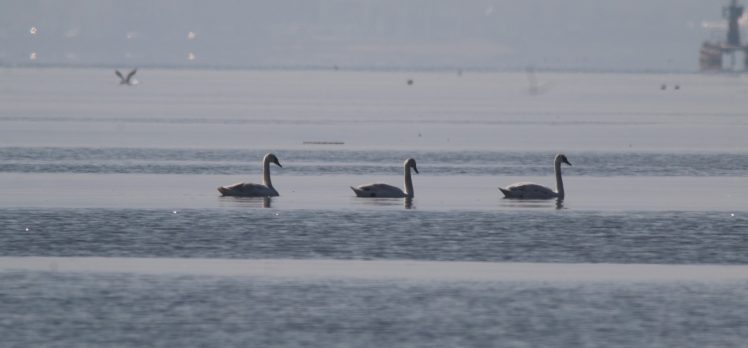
(247, 189)
(527, 190)
(389, 191)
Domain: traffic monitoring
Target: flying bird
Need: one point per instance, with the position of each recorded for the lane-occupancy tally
(127, 80)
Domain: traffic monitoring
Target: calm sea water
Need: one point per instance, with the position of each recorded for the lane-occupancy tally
(339, 162)
(92, 169)
(256, 233)
(64, 309)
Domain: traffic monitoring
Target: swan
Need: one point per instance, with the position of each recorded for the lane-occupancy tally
(247, 189)
(525, 190)
(126, 80)
(384, 190)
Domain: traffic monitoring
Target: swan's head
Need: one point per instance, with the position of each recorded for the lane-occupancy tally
(561, 158)
(411, 163)
(272, 159)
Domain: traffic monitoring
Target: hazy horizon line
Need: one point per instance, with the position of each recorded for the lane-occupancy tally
(372, 68)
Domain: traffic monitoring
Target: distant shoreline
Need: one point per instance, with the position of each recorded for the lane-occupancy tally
(333, 68)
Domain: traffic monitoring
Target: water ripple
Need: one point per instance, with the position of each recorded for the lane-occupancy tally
(323, 162)
(645, 237)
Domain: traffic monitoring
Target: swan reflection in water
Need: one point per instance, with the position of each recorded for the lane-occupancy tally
(557, 203)
(248, 202)
(406, 202)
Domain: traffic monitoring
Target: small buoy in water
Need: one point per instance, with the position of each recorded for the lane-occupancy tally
(663, 87)
(174, 212)
(677, 87)
(410, 82)
(27, 229)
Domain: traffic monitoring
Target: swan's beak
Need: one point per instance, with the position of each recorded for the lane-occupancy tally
(567, 162)
(278, 163)
(416, 169)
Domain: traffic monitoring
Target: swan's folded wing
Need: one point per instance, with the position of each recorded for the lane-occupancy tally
(247, 189)
(522, 186)
(528, 190)
(378, 190)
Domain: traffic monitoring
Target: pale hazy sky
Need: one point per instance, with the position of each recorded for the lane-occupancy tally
(412, 34)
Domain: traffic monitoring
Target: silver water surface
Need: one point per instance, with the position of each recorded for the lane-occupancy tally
(131, 310)
(91, 168)
(518, 236)
(335, 162)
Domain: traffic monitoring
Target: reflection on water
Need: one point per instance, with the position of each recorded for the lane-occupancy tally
(557, 203)
(249, 202)
(407, 202)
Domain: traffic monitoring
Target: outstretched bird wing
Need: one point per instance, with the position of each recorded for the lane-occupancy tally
(131, 74)
(120, 75)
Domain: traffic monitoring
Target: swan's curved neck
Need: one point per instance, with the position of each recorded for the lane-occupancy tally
(266, 172)
(559, 182)
(408, 182)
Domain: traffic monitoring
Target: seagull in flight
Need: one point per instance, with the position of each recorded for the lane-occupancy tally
(127, 80)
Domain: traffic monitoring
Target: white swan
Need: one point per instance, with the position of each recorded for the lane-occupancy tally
(247, 189)
(384, 190)
(524, 190)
